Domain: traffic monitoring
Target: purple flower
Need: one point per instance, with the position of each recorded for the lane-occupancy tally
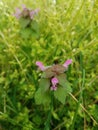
(25, 12)
(40, 65)
(57, 69)
(17, 14)
(54, 82)
(33, 12)
(51, 72)
(67, 63)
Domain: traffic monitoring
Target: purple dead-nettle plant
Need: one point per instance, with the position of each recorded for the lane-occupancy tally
(29, 26)
(25, 12)
(53, 85)
(53, 81)
(52, 72)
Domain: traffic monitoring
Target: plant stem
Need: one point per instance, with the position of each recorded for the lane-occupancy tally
(60, 125)
(81, 91)
(48, 121)
(84, 109)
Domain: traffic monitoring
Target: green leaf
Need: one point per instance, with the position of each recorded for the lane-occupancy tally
(55, 115)
(42, 97)
(64, 83)
(34, 34)
(34, 26)
(47, 74)
(26, 32)
(60, 94)
(44, 84)
(24, 22)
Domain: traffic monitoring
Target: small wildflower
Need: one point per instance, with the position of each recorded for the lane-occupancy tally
(25, 12)
(67, 63)
(40, 65)
(33, 12)
(17, 13)
(51, 72)
(54, 82)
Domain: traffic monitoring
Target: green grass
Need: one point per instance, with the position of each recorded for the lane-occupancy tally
(67, 30)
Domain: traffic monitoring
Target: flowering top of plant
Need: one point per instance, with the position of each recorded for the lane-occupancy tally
(55, 69)
(53, 78)
(29, 26)
(25, 13)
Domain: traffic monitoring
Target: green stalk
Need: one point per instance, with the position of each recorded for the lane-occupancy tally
(48, 121)
(81, 92)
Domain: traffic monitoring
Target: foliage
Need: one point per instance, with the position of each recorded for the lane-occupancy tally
(66, 29)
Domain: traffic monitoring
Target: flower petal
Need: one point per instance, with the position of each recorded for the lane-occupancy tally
(54, 81)
(40, 65)
(67, 63)
(33, 12)
(17, 13)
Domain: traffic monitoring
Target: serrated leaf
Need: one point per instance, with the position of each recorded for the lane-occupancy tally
(24, 22)
(34, 26)
(48, 74)
(42, 97)
(64, 83)
(60, 94)
(44, 84)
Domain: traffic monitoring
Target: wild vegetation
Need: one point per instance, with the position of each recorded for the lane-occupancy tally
(58, 31)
